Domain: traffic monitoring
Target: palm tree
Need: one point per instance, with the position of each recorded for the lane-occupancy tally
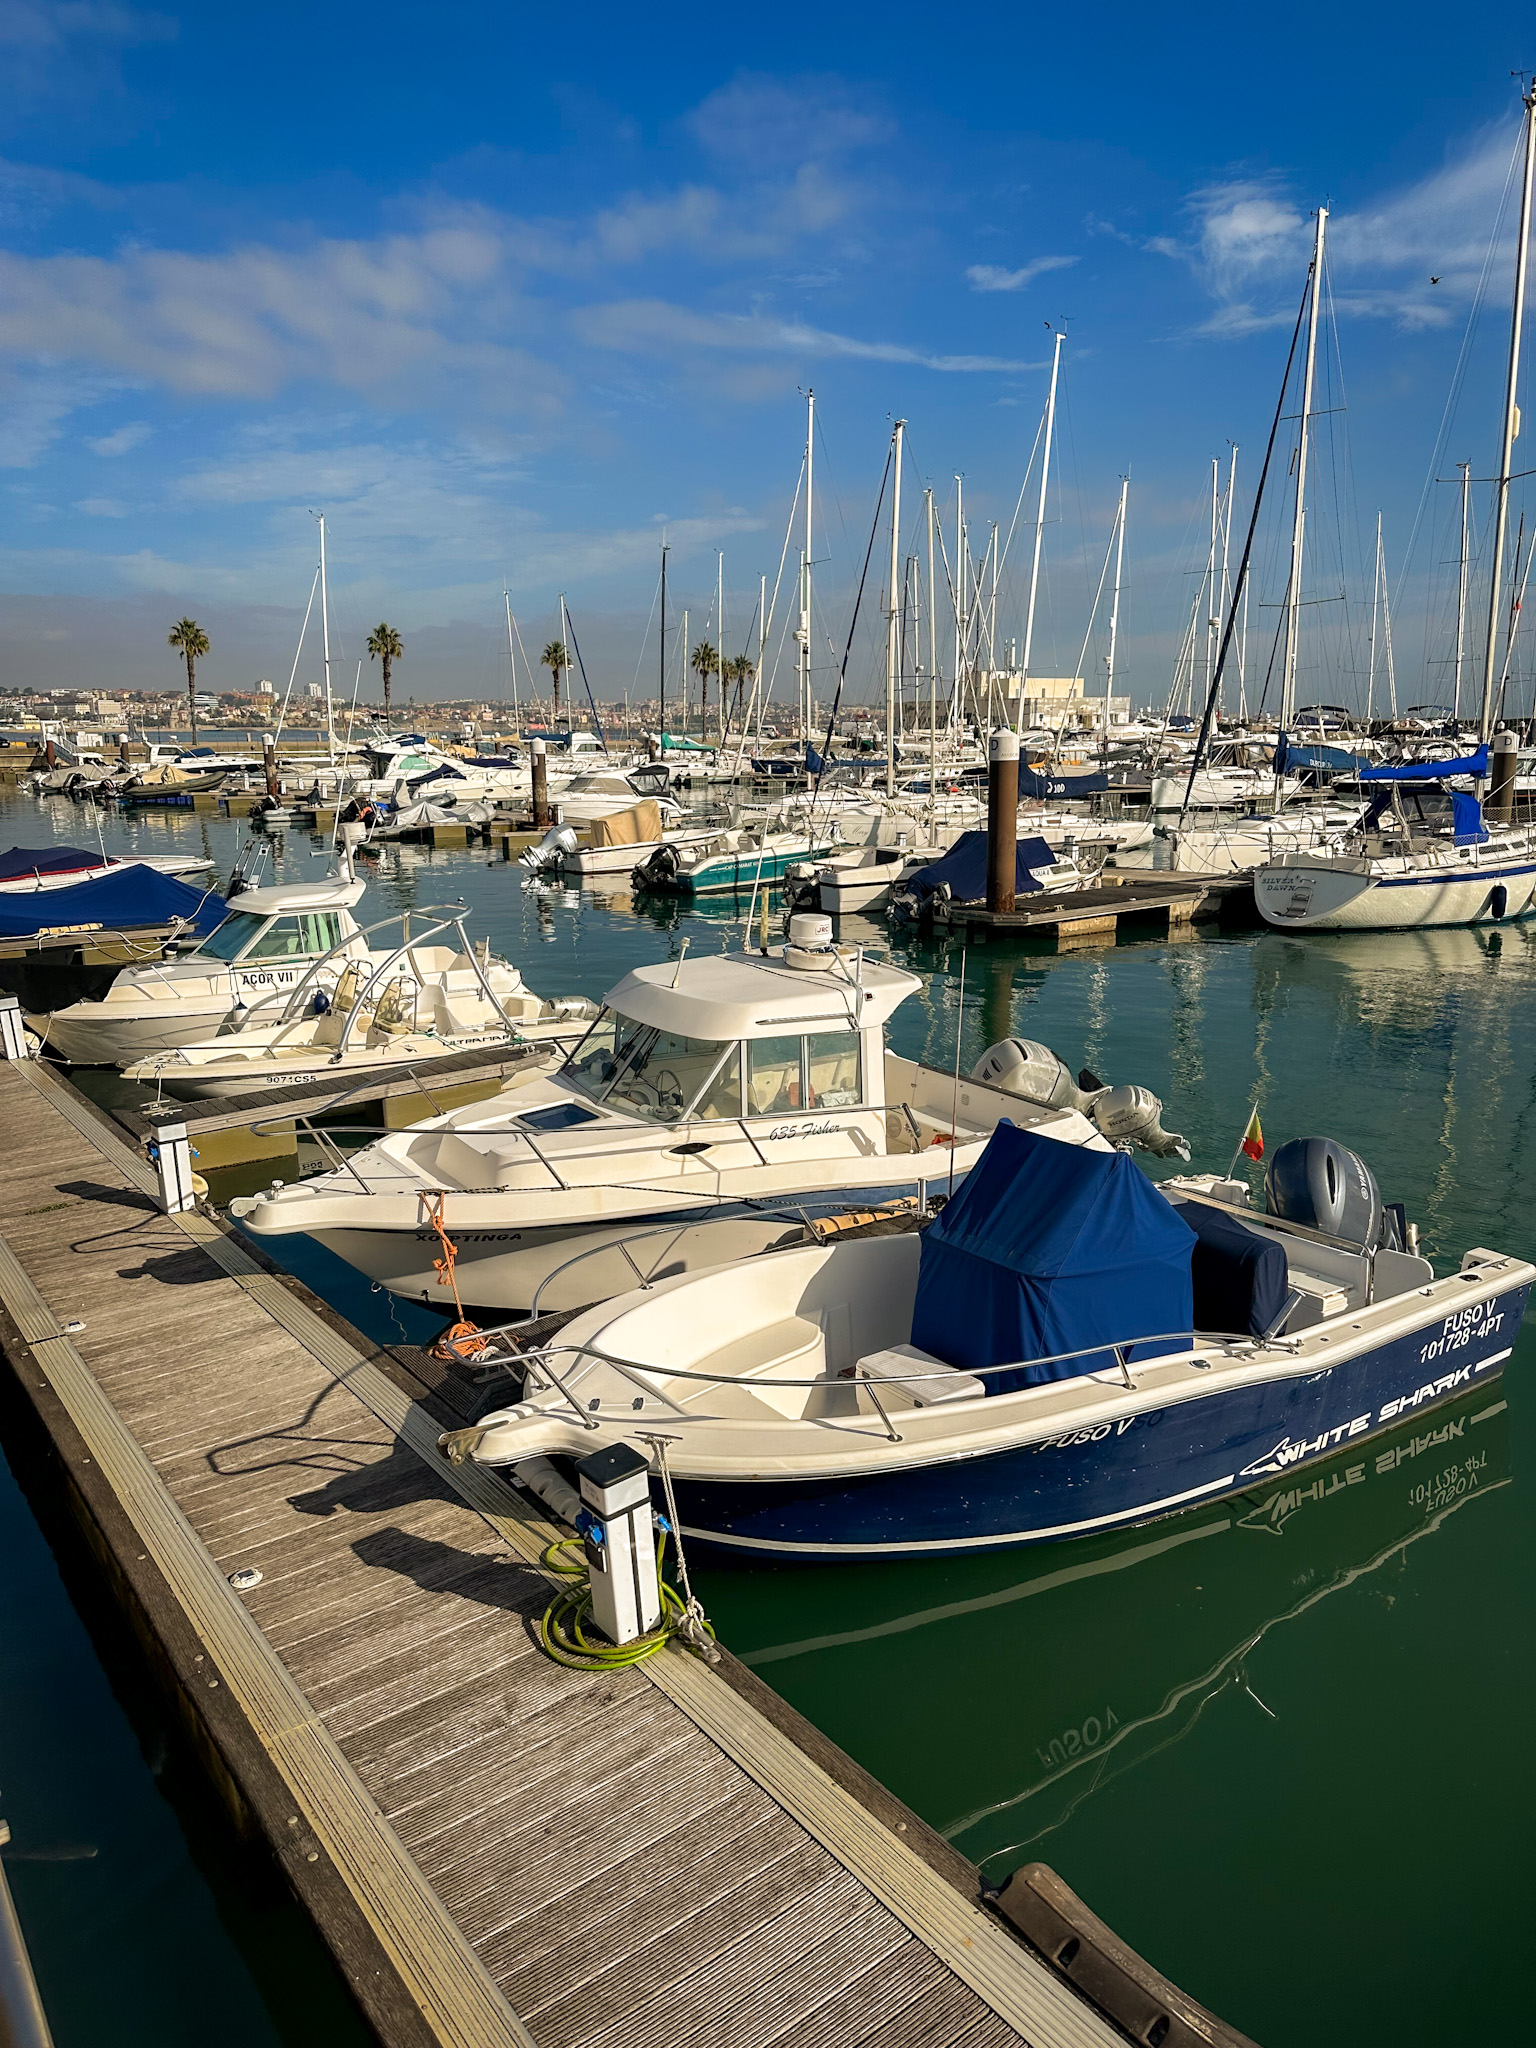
(555, 659)
(702, 661)
(385, 646)
(741, 671)
(189, 638)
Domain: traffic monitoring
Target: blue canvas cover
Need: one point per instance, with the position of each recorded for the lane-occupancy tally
(1295, 757)
(46, 860)
(1467, 827)
(964, 868)
(1241, 1277)
(1050, 1248)
(1429, 771)
(1041, 783)
(123, 899)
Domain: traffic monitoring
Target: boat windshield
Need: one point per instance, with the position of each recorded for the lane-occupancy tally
(643, 1070)
(227, 941)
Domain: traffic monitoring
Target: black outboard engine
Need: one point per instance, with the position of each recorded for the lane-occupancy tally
(657, 871)
(1317, 1183)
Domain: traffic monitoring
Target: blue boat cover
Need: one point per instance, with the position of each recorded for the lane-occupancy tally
(1040, 783)
(1241, 1278)
(1429, 771)
(46, 860)
(1467, 827)
(123, 899)
(964, 868)
(1292, 757)
(1050, 1248)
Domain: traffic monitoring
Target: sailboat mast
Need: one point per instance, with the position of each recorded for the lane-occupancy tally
(1212, 623)
(1370, 673)
(1114, 604)
(1511, 417)
(661, 687)
(893, 621)
(1045, 477)
(1299, 523)
(933, 661)
(1226, 536)
(511, 656)
(719, 642)
(957, 699)
(1461, 589)
(325, 643)
(805, 608)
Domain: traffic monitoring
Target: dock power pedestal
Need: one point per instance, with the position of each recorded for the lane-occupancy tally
(620, 1540)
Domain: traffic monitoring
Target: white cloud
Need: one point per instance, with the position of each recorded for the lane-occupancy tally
(35, 402)
(761, 120)
(122, 439)
(990, 277)
(1249, 238)
(101, 508)
(655, 326)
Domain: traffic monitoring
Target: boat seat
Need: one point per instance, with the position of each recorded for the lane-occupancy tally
(461, 1164)
(794, 1349)
(891, 1366)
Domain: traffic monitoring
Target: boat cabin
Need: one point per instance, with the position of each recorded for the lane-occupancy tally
(741, 1036)
(277, 924)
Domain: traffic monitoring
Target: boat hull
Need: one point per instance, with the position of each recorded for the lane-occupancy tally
(1314, 896)
(1113, 1474)
(113, 1039)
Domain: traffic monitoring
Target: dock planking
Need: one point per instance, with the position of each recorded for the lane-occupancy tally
(497, 1849)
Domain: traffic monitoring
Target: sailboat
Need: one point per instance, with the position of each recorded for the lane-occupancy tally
(1399, 869)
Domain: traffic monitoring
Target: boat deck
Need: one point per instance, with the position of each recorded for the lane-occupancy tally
(496, 1849)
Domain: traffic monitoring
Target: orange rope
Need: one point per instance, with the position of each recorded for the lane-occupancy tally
(452, 1344)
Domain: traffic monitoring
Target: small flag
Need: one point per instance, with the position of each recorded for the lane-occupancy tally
(1253, 1137)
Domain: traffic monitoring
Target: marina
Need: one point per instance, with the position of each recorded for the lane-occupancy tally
(766, 1286)
(742, 1604)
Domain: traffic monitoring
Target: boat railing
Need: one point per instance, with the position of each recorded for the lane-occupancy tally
(1204, 1351)
(450, 917)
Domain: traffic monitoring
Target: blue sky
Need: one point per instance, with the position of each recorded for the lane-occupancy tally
(510, 292)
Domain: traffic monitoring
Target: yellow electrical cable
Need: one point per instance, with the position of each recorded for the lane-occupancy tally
(560, 1627)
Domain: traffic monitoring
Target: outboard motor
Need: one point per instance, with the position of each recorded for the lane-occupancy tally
(557, 842)
(1129, 1115)
(1317, 1183)
(657, 870)
(1026, 1068)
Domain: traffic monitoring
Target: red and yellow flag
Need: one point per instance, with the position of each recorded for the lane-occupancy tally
(1253, 1137)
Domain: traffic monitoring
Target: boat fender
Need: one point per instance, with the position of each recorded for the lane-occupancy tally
(1131, 1115)
(1022, 1066)
(1498, 902)
(1319, 1184)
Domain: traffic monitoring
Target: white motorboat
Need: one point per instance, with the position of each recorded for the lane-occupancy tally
(709, 1103)
(28, 868)
(257, 956)
(395, 1007)
(1065, 1350)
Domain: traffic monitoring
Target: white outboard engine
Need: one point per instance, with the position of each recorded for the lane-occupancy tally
(1317, 1183)
(1026, 1068)
(557, 842)
(1129, 1115)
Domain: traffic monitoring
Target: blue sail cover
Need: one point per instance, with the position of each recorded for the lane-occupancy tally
(1429, 771)
(1467, 827)
(46, 860)
(123, 899)
(1050, 1248)
(1041, 783)
(964, 868)
(1295, 757)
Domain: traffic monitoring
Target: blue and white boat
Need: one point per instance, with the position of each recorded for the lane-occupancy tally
(1066, 1349)
(1397, 871)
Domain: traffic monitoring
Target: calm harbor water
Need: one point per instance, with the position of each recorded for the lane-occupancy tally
(1278, 1744)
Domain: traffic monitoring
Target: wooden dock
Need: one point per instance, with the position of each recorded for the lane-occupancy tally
(1084, 917)
(498, 1850)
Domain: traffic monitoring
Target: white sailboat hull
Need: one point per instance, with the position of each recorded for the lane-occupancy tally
(1343, 894)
